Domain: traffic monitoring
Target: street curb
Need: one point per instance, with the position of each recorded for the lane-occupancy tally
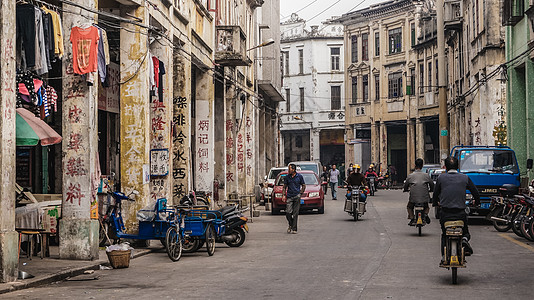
(19, 285)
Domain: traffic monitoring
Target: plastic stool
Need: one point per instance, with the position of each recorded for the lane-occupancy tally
(31, 235)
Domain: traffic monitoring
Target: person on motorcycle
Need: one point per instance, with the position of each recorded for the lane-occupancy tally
(418, 184)
(449, 194)
(371, 173)
(356, 179)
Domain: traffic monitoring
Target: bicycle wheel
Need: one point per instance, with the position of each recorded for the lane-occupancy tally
(210, 239)
(202, 201)
(173, 244)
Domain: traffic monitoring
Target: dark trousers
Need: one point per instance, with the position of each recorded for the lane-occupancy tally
(292, 211)
(452, 214)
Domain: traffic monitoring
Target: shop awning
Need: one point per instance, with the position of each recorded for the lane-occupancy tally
(30, 130)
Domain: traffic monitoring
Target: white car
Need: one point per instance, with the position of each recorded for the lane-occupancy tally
(267, 186)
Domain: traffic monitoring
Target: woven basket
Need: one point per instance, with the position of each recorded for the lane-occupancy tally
(119, 259)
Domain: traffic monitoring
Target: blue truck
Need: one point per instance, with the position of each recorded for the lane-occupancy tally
(489, 167)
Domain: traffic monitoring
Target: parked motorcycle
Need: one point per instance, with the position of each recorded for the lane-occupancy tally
(454, 251)
(383, 182)
(355, 201)
(420, 217)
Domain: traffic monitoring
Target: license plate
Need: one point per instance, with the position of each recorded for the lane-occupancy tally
(485, 205)
(301, 201)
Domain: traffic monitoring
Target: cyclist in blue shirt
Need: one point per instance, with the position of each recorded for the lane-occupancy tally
(293, 188)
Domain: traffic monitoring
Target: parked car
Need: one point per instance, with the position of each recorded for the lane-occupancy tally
(309, 165)
(268, 184)
(313, 197)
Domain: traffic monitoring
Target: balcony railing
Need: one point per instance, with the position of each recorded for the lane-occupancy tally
(231, 47)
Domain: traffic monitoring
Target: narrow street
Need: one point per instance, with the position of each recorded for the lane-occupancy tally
(332, 257)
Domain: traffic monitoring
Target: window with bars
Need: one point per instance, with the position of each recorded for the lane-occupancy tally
(377, 44)
(301, 61)
(288, 100)
(335, 96)
(301, 99)
(395, 40)
(429, 72)
(412, 30)
(354, 90)
(395, 85)
(421, 78)
(365, 46)
(410, 86)
(365, 83)
(377, 87)
(334, 58)
(354, 48)
(286, 71)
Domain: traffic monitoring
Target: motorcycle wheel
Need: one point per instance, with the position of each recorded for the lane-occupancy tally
(531, 227)
(190, 245)
(202, 201)
(173, 244)
(499, 225)
(102, 234)
(516, 226)
(525, 228)
(239, 235)
(419, 229)
(454, 275)
(210, 239)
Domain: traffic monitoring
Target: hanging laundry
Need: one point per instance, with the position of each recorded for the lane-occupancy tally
(51, 95)
(48, 30)
(101, 56)
(155, 60)
(26, 32)
(45, 107)
(41, 56)
(151, 81)
(160, 79)
(58, 32)
(84, 49)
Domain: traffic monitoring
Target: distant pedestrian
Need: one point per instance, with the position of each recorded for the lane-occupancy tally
(342, 173)
(334, 178)
(324, 177)
(294, 186)
(393, 174)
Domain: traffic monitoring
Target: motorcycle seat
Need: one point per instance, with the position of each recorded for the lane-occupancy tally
(458, 223)
(225, 210)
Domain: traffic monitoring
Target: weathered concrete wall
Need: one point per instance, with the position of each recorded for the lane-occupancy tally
(78, 225)
(8, 235)
(231, 140)
(204, 133)
(134, 113)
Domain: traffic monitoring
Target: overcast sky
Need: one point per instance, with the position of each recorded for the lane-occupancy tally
(312, 10)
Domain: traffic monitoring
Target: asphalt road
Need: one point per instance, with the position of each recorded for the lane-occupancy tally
(332, 257)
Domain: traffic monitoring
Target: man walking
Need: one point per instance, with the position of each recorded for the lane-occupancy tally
(293, 188)
(334, 177)
(325, 176)
(449, 194)
(419, 184)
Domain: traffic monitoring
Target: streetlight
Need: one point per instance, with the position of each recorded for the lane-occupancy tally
(268, 42)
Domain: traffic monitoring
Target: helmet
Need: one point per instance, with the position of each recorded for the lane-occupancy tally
(357, 166)
(371, 166)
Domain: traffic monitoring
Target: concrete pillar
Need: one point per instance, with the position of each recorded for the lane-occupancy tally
(134, 113)
(241, 148)
(231, 139)
(181, 167)
(220, 138)
(79, 226)
(419, 139)
(410, 145)
(204, 133)
(315, 144)
(383, 145)
(161, 112)
(263, 139)
(250, 135)
(375, 142)
(8, 236)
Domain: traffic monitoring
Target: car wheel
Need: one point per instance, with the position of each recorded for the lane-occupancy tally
(275, 211)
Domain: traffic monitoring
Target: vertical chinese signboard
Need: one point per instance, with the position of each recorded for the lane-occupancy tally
(204, 169)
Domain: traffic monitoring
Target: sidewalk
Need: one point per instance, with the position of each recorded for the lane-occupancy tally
(52, 269)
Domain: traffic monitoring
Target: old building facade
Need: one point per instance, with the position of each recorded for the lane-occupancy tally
(312, 119)
(203, 124)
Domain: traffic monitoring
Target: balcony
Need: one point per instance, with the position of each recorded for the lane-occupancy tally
(452, 16)
(231, 47)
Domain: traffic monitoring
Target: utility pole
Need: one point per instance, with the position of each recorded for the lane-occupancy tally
(442, 82)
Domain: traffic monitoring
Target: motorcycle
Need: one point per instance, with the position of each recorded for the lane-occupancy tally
(383, 182)
(372, 186)
(454, 251)
(420, 217)
(355, 201)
